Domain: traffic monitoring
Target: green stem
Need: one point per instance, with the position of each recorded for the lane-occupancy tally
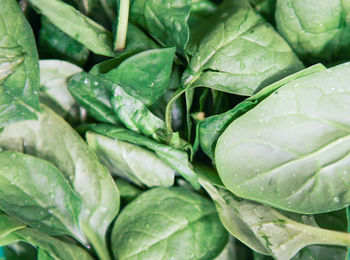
(168, 109)
(122, 28)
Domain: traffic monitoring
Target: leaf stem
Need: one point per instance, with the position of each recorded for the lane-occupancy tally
(123, 17)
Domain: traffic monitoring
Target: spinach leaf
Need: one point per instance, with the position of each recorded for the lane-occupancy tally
(165, 20)
(138, 40)
(175, 158)
(89, 179)
(210, 129)
(145, 75)
(52, 246)
(89, 92)
(127, 191)
(313, 173)
(34, 191)
(317, 31)
(19, 251)
(160, 221)
(19, 68)
(78, 26)
(54, 43)
(241, 55)
(267, 230)
(53, 86)
(120, 158)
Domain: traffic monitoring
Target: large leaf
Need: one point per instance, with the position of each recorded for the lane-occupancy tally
(19, 68)
(165, 20)
(120, 158)
(78, 26)
(70, 154)
(292, 150)
(145, 75)
(241, 54)
(53, 43)
(210, 129)
(316, 30)
(53, 85)
(34, 191)
(161, 221)
(267, 230)
(176, 159)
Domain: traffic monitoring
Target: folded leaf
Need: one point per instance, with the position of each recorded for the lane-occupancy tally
(176, 159)
(267, 230)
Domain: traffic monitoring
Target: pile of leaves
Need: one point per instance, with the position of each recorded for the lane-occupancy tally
(163, 129)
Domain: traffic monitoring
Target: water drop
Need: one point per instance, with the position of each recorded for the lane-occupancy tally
(283, 247)
(336, 199)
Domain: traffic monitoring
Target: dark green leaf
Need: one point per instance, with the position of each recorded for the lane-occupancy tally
(145, 75)
(20, 251)
(53, 43)
(161, 221)
(165, 20)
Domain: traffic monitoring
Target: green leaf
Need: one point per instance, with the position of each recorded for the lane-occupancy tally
(145, 75)
(76, 25)
(7, 226)
(266, 8)
(20, 251)
(300, 135)
(317, 31)
(91, 93)
(175, 158)
(120, 158)
(136, 116)
(210, 129)
(160, 221)
(137, 40)
(53, 43)
(127, 191)
(53, 85)
(43, 255)
(35, 192)
(165, 21)
(19, 68)
(241, 55)
(267, 230)
(55, 247)
(90, 180)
